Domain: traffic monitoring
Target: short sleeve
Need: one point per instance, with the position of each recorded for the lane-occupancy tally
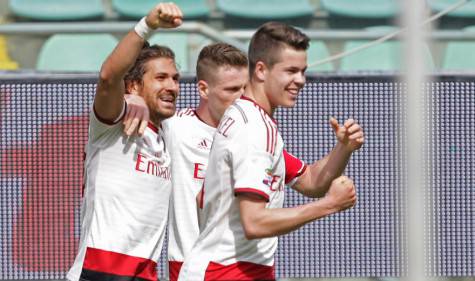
(251, 166)
(294, 168)
(99, 129)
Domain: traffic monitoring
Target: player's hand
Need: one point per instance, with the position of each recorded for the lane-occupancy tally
(164, 15)
(350, 134)
(137, 115)
(342, 193)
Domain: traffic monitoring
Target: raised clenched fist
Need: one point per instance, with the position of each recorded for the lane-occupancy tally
(164, 15)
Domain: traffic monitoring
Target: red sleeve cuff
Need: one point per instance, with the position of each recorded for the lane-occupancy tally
(258, 192)
(304, 168)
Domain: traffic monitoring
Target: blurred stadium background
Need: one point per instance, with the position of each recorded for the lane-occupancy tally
(50, 51)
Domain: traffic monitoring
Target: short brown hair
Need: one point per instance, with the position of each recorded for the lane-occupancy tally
(216, 55)
(148, 52)
(270, 39)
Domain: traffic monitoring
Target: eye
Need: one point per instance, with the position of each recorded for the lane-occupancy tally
(292, 70)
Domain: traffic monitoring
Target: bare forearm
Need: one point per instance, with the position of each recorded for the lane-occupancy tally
(122, 58)
(324, 171)
(317, 179)
(274, 222)
(331, 166)
(111, 88)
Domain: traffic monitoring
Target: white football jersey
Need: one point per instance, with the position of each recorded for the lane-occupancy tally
(125, 205)
(189, 141)
(247, 156)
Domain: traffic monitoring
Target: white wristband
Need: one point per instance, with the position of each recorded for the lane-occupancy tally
(142, 29)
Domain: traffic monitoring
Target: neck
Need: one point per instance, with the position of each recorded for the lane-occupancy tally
(255, 91)
(205, 115)
(155, 120)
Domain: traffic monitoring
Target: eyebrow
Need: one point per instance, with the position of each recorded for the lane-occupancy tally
(167, 74)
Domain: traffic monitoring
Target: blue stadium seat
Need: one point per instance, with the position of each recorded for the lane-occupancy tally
(266, 9)
(178, 42)
(459, 54)
(137, 9)
(55, 10)
(75, 52)
(467, 10)
(318, 51)
(361, 8)
(386, 56)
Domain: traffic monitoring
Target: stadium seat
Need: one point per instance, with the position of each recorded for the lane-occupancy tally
(266, 9)
(467, 10)
(6, 63)
(178, 42)
(361, 8)
(55, 10)
(76, 52)
(318, 51)
(386, 56)
(137, 9)
(459, 54)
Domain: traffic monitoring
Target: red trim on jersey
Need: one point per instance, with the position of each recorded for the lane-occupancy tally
(256, 104)
(267, 129)
(119, 264)
(272, 132)
(294, 167)
(186, 111)
(273, 138)
(251, 190)
(108, 122)
(174, 268)
(202, 196)
(240, 270)
(152, 127)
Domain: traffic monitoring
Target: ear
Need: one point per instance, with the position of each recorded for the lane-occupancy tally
(133, 87)
(203, 89)
(260, 71)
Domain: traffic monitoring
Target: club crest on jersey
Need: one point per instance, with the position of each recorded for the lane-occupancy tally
(272, 181)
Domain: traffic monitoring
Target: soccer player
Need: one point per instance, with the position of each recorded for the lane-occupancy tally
(222, 75)
(127, 179)
(248, 168)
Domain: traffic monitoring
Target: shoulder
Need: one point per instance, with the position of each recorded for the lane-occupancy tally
(239, 111)
(181, 117)
(242, 119)
(185, 113)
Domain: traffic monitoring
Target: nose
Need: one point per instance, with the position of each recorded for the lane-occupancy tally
(172, 85)
(300, 79)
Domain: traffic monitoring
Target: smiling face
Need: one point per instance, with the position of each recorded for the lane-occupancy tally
(160, 87)
(286, 77)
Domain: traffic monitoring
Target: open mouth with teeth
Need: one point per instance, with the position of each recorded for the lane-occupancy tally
(168, 99)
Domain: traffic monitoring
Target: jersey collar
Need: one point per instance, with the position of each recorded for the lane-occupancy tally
(260, 107)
